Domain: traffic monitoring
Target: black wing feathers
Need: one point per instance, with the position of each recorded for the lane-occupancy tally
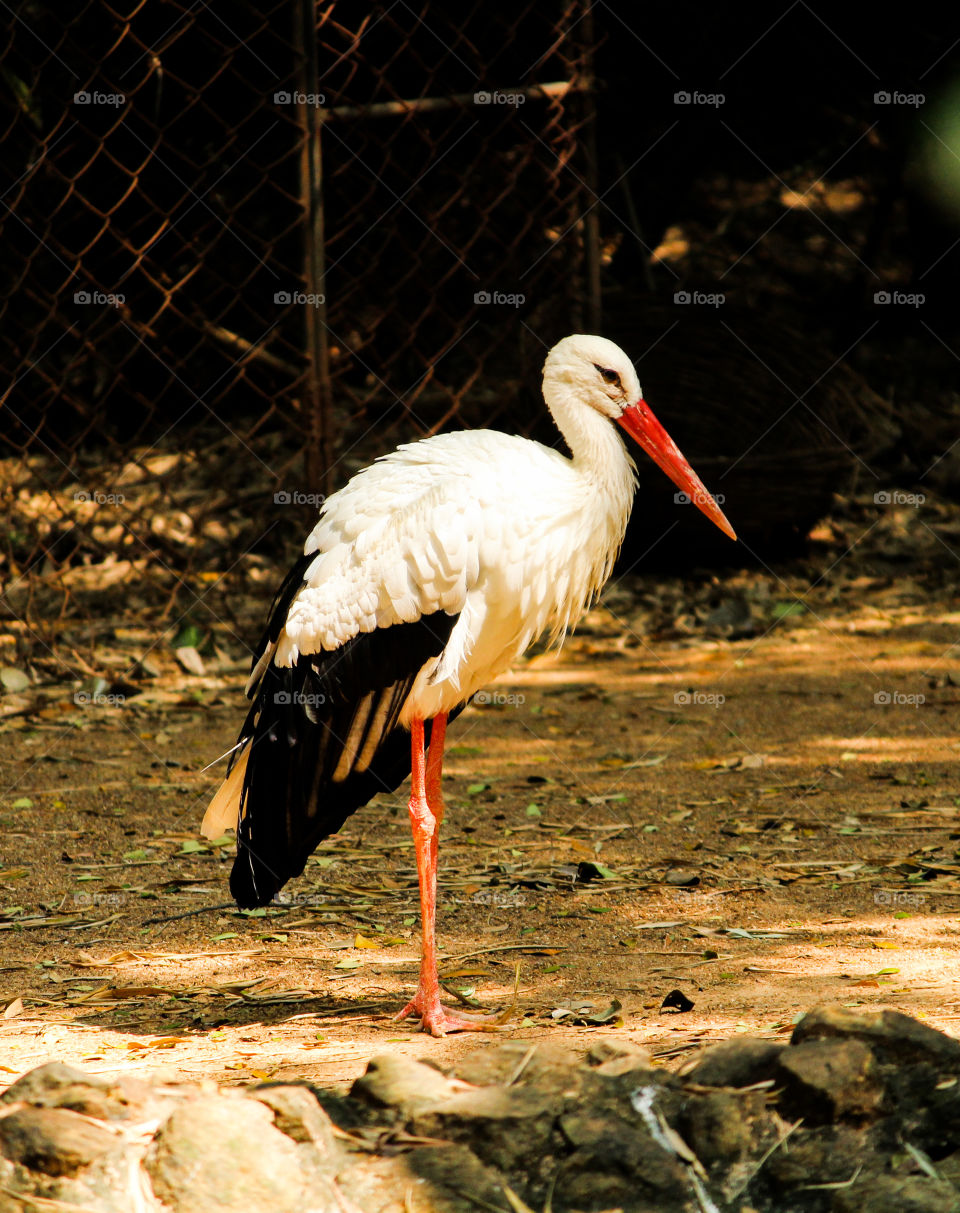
(324, 740)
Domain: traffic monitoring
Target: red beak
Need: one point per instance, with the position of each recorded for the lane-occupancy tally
(642, 426)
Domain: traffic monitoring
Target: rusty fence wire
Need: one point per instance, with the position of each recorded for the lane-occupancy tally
(244, 251)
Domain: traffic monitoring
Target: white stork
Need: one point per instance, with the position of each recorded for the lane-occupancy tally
(425, 577)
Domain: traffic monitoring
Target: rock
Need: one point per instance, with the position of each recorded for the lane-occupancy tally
(617, 1057)
(825, 1080)
(949, 1168)
(404, 1084)
(897, 1194)
(503, 1126)
(56, 1085)
(716, 1125)
(498, 1065)
(220, 1154)
(740, 1062)
(53, 1140)
(893, 1036)
(455, 1169)
(617, 1162)
(297, 1114)
(829, 1154)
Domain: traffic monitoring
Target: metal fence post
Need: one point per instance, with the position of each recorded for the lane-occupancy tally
(318, 453)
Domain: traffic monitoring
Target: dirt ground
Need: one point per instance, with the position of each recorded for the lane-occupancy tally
(742, 787)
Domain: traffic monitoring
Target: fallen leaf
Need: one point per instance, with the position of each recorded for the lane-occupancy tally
(191, 660)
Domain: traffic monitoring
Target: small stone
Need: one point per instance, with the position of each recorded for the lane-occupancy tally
(741, 1062)
(53, 1140)
(681, 877)
(826, 1080)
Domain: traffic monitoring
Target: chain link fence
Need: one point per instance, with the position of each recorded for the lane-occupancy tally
(245, 252)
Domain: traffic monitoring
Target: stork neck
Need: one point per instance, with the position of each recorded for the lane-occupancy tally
(596, 446)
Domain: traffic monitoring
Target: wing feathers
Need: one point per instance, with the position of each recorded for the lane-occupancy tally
(223, 812)
(324, 739)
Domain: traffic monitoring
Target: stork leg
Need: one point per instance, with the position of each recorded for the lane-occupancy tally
(426, 814)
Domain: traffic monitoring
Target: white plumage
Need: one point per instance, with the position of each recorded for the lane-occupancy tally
(425, 577)
(509, 535)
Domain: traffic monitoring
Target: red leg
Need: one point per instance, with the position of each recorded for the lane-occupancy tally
(426, 814)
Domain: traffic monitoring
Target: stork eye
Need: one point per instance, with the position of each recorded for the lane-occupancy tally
(607, 375)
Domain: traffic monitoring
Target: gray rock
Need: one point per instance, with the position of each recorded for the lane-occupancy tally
(830, 1079)
(829, 1154)
(893, 1036)
(498, 1065)
(505, 1127)
(53, 1140)
(717, 1125)
(617, 1163)
(219, 1154)
(455, 1172)
(297, 1113)
(402, 1083)
(56, 1085)
(897, 1194)
(614, 1058)
(740, 1062)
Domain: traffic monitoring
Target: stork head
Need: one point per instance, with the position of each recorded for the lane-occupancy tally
(597, 373)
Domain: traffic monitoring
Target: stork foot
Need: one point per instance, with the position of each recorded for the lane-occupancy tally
(438, 1020)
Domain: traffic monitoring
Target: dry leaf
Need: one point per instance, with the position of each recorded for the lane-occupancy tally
(191, 660)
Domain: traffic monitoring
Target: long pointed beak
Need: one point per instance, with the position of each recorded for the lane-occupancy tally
(646, 430)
